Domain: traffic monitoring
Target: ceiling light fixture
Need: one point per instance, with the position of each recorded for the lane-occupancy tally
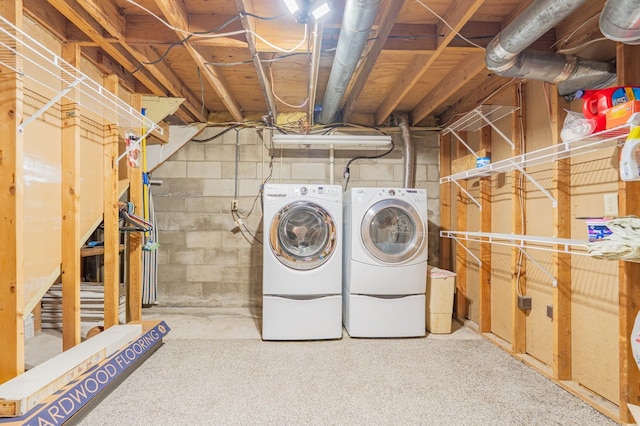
(303, 9)
(319, 9)
(292, 6)
(343, 140)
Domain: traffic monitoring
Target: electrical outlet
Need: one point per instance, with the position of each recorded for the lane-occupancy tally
(234, 205)
(611, 204)
(524, 303)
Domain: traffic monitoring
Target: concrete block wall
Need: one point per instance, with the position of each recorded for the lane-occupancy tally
(205, 257)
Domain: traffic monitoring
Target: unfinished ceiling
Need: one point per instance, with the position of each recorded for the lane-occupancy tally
(239, 60)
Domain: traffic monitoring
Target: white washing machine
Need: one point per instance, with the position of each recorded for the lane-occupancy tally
(385, 262)
(302, 262)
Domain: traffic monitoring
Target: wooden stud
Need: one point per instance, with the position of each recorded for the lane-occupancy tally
(110, 204)
(518, 265)
(628, 59)
(71, 259)
(134, 239)
(461, 253)
(11, 214)
(485, 248)
(445, 202)
(561, 262)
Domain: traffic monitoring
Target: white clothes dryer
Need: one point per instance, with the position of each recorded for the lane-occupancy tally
(385, 262)
(302, 262)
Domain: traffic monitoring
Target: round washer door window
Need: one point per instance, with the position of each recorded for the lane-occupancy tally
(392, 231)
(303, 235)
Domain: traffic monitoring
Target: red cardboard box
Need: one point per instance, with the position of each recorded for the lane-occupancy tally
(619, 114)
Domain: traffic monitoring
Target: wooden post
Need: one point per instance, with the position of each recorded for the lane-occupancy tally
(11, 215)
(71, 332)
(561, 267)
(445, 202)
(485, 248)
(518, 266)
(134, 240)
(461, 253)
(628, 59)
(111, 231)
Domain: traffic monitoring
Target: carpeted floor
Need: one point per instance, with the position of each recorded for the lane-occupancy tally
(426, 381)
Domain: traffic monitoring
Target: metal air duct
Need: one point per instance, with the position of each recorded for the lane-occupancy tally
(357, 21)
(506, 54)
(408, 151)
(620, 21)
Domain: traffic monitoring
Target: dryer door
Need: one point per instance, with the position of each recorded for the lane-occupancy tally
(303, 235)
(392, 231)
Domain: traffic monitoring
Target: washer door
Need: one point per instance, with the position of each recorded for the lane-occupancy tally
(392, 231)
(303, 235)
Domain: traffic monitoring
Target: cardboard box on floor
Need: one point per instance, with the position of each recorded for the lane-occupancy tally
(441, 285)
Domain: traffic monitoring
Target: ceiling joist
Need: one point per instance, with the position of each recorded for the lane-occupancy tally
(458, 14)
(177, 16)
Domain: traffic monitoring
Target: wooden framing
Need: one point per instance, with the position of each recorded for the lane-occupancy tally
(628, 59)
(71, 258)
(485, 248)
(11, 214)
(518, 265)
(110, 205)
(134, 240)
(445, 202)
(461, 253)
(561, 262)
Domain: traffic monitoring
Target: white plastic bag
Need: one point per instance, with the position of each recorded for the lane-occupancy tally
(576, 126)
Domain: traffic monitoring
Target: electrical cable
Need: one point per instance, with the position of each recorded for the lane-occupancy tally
(347, 175)
(449, 26)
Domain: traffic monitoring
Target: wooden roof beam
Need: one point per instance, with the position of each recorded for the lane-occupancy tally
(106, 14)
(145, 29)
(470, 66)
(85, 22)
(457, 15)
(176, 14)
(265, 85)
(388, 14)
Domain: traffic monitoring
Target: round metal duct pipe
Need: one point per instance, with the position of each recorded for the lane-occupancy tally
(357, 21)
(620, 21)
(506, 54)
(408, 152)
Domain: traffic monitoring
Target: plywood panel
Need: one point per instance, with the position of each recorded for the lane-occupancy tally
(42, 208)
(595, 326)
(539, 328)
(594, 282)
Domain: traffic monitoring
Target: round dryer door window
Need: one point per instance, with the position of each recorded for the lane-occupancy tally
(392, 231)
(303, 235)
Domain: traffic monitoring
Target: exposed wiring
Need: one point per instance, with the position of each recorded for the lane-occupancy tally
(212, 34)
(565, 39)
(201, 91)
(449, 26)
(280, 49)
(582, 46)
(347, 172)
(278, 98)
(522, 146)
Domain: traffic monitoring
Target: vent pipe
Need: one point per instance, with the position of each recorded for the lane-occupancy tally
(357, 21)
(620, 21)
(408, 151)
(506, 54)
